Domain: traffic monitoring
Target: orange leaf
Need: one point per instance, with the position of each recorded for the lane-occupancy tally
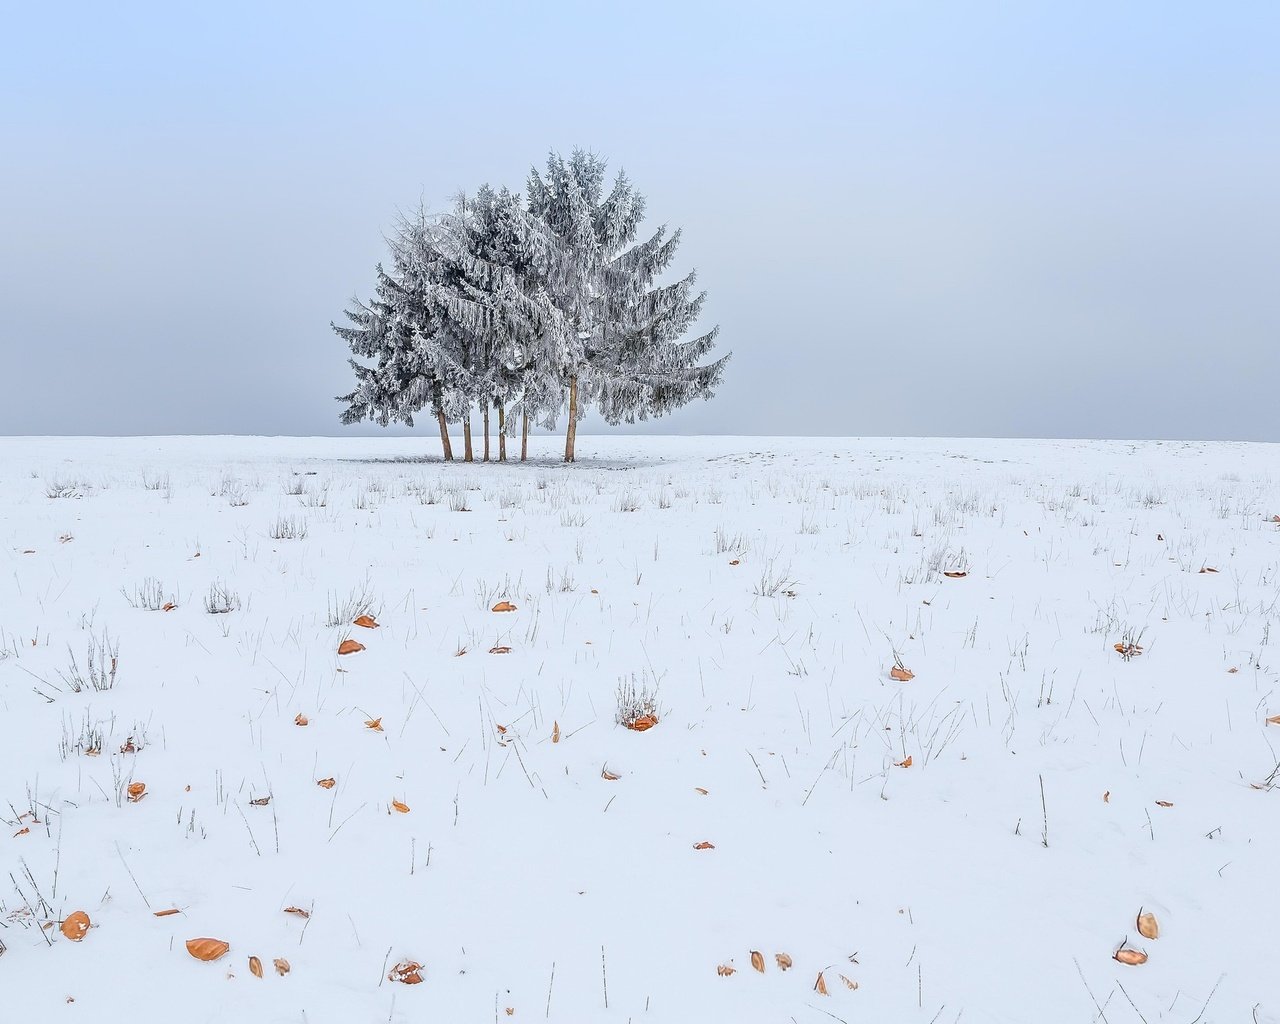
(401, 807)
(373, 723)
(901, 673)
(300, 720)
(407, 972)
(137, 790)
(757, 960)
(167, 913)
(502, 729)
(1274, 720)
(168, 606)
(504, 606)
(25, 830)
(367, 621)
(326, 783)
(255, 967)
(350, 646)
(1148, 926)
(644, 722)
(608, 776)
(735, 561)
(207, 949)
(903, 764)
(1132, 957)
(820, 986)
(704, 845)
(499, 650)
(76, 925)
(555, 732)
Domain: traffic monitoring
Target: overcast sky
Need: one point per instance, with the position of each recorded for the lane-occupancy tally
(1007, 219)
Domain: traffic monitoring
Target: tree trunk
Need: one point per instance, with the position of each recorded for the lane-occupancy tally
(571, 434)
(524, 438)
(444, 436)
(485, 410)
(466, 440)
(502, 433)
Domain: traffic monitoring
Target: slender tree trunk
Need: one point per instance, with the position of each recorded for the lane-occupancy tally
(571, 434)
(485, 411)
(502, 433)
(444, 436)
(524, 438)
(467, 455)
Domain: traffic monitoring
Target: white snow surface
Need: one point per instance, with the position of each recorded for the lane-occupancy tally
(991, 880)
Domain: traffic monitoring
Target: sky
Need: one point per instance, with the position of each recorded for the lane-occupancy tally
(953, 219)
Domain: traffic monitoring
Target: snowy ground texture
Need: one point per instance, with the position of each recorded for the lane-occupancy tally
(974, 843)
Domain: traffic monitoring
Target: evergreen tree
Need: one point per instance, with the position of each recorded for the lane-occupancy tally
(619, 343)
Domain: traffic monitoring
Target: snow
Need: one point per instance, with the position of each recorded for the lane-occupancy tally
(520, 877)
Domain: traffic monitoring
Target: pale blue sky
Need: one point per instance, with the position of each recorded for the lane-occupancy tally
(1033, 219)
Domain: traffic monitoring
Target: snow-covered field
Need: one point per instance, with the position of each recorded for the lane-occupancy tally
(974, 843)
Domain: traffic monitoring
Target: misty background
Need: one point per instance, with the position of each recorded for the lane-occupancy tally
(979, 219)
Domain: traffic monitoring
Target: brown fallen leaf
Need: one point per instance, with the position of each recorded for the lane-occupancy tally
(75, 926)
(726, 970)
(704, 845)
(1232, 670)
(1106, 797)
(735, 561)
(168, 606)
(820, 986)
(25, 830)
(282, 966)
(1274, 720)
(373, 723)
(699, 789)
(849, 983)
(1164, 803)
(261, 801)
(502, 729)
(297, 912)
(207, 949)
(955, 574)
(903, 764)
(555, 732)
(511, 1011)
(504, 606)
(1208, 568)
(1148, 926)
(643, 723)
(783, 960)
(499, 650)
(128, 746)
(1131, 957)
(609, 776)
(366, 621)
(901, 673)
(757, 960)
(137, 790)
(407, 972)
(350, 646)
(326, 783)
(300, 720)
(167, 913)
(255, 967)
(403, 808)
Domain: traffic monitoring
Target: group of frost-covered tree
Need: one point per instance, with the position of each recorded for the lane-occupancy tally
(529, 306)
